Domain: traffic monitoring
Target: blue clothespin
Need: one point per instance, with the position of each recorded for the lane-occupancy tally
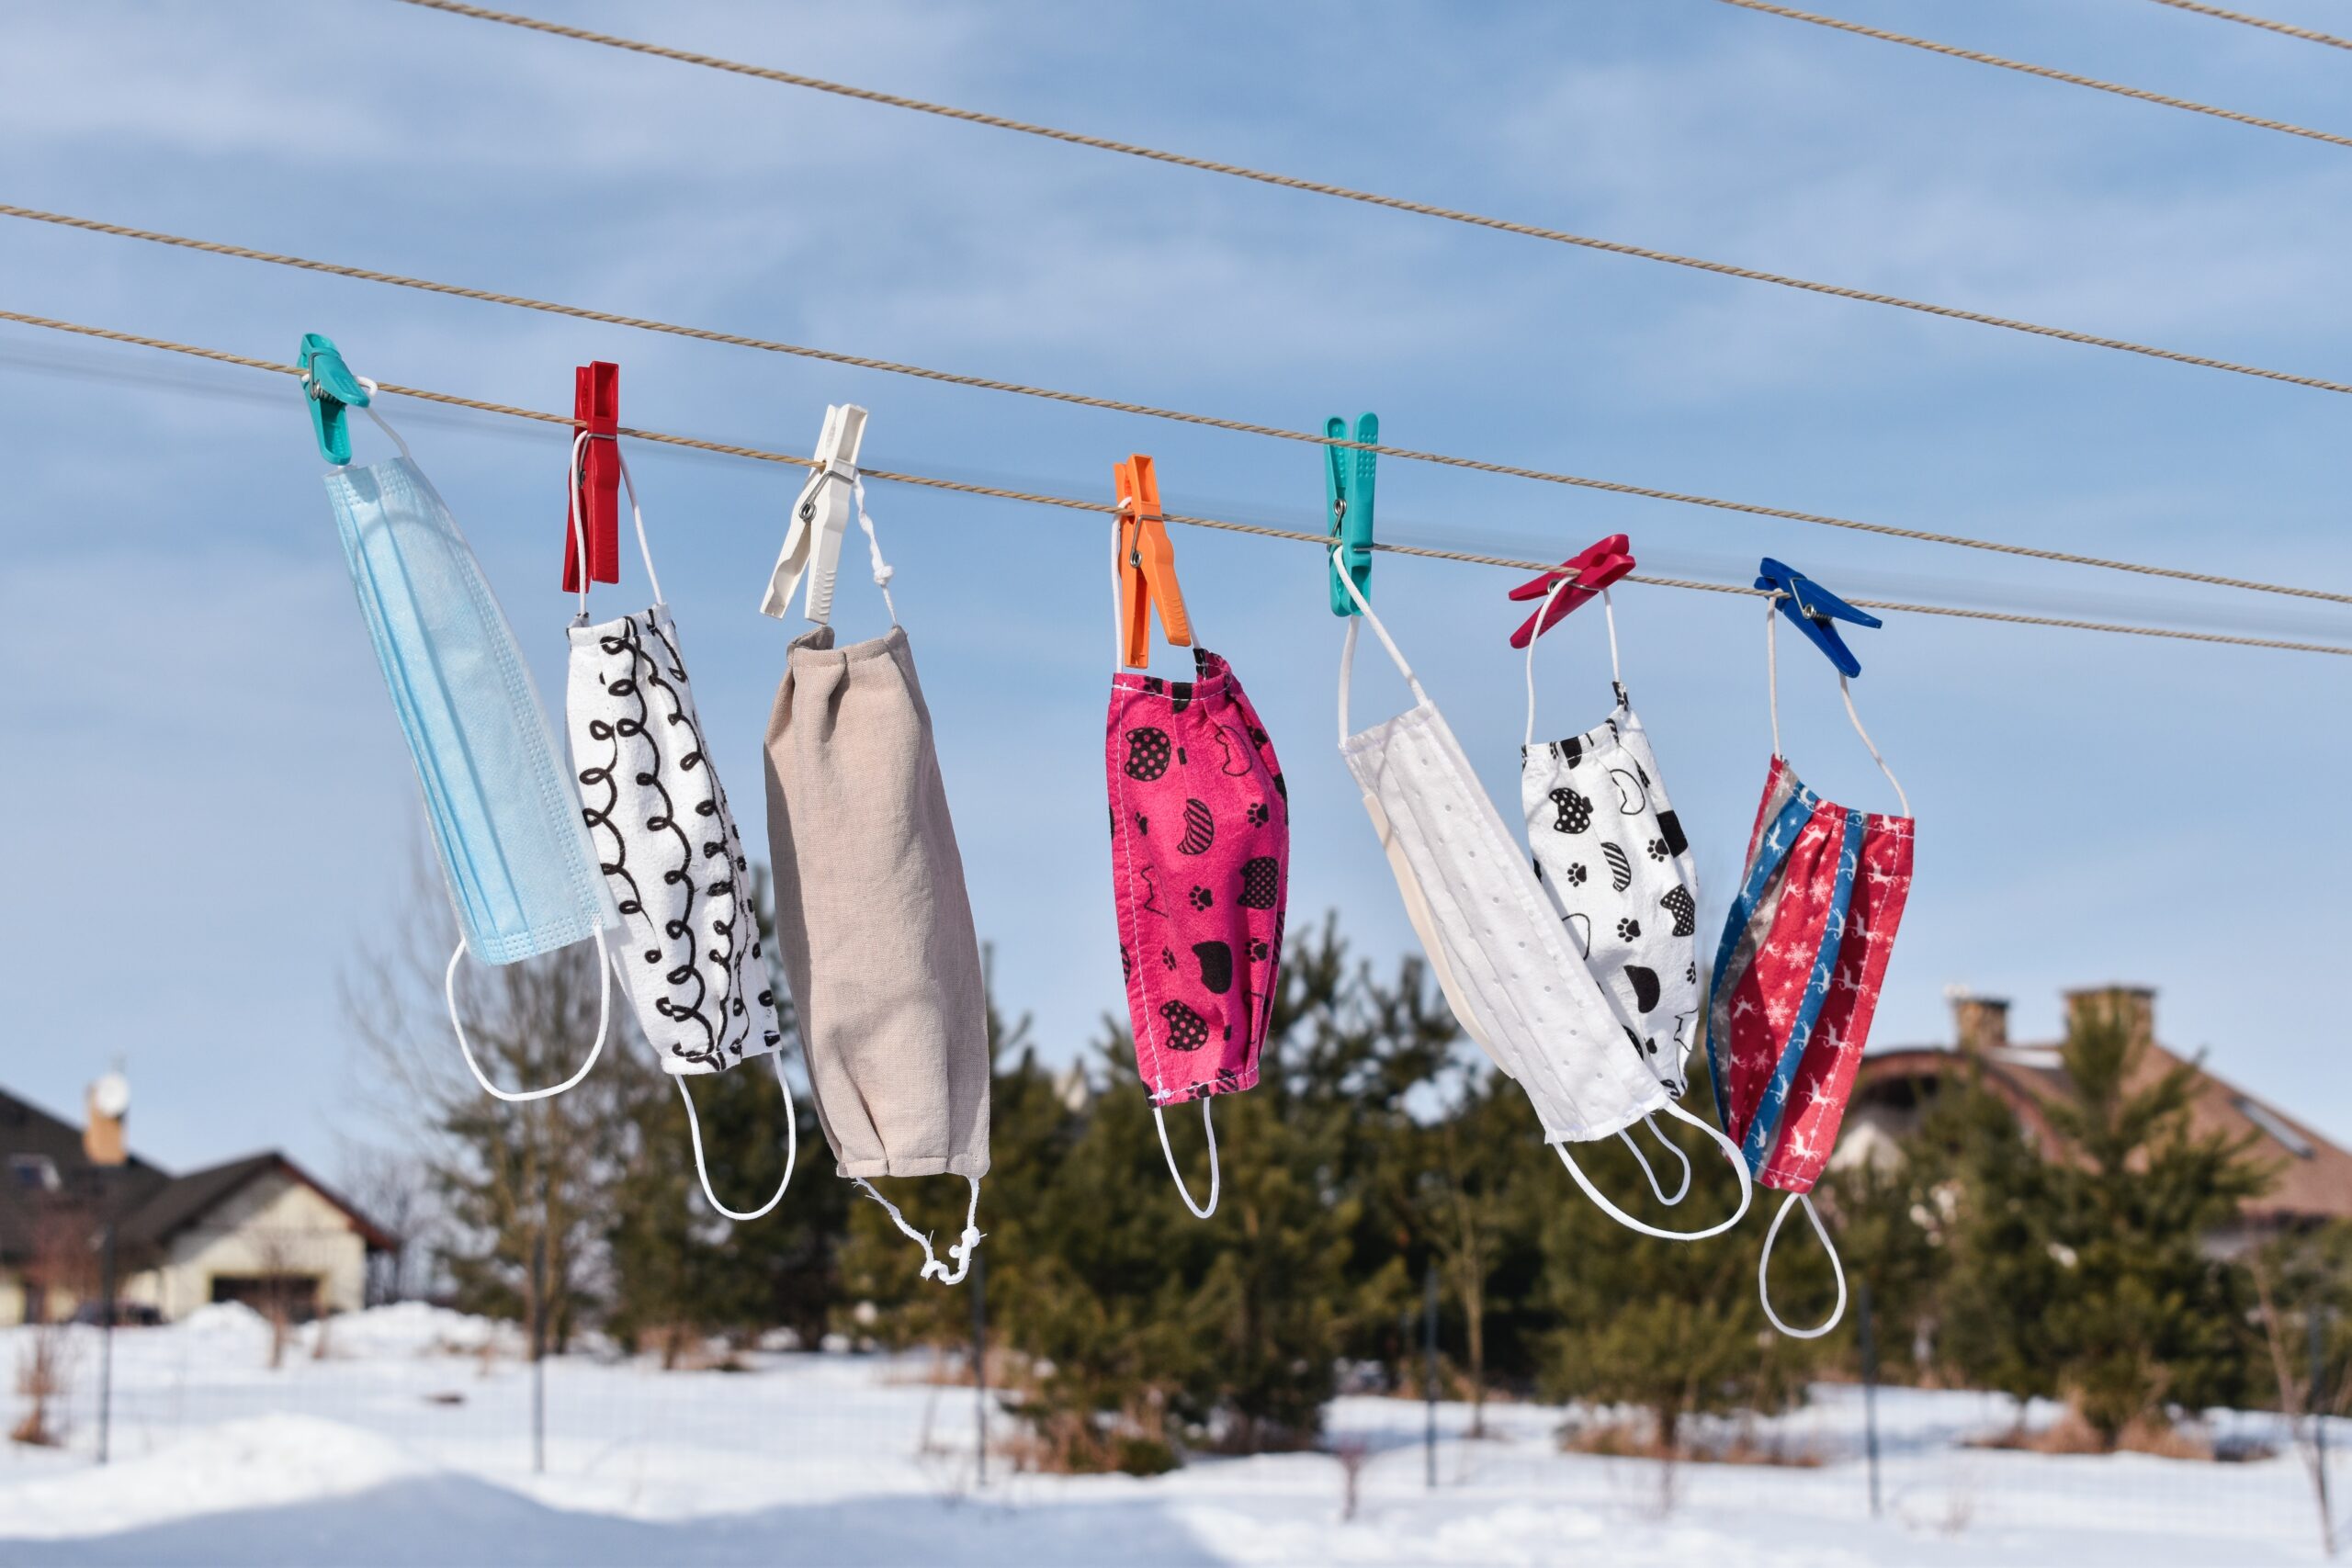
(1347, 493)
(1812, 608)
(333, 389)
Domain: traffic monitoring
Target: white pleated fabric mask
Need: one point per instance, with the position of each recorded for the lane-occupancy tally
(1516, 982)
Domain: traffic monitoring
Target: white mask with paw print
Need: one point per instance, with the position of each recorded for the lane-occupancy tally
(1611, 852)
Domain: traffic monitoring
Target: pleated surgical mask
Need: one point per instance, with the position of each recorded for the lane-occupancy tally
(1796, 977)
(505, 821)
(1516, 984)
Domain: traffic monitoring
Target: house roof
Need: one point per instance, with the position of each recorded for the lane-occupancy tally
(2313, 1173)
(151, 1204)
(185, 1200)
(26, 1130)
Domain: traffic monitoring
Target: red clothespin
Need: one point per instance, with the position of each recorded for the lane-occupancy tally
(1595, 568)
(596, 404)
(1147, 566)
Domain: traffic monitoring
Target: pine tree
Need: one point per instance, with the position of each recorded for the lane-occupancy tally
(1463, 1189)
(1674, 1328)
(1147, 1330)
(1893, 1222)
(522, 1189)
(2144, 1317)
(683, 1273)
(2307, 1271)
(880, 1294)
(2006, 1262)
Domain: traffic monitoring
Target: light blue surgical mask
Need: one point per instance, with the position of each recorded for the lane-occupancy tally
(505, 818)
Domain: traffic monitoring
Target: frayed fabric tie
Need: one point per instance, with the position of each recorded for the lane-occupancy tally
(961, 1251)
(883, 570)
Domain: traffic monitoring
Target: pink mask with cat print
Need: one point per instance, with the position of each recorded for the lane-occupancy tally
(1200, 867)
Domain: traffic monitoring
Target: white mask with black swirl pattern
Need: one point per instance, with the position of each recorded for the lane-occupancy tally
(690, 951)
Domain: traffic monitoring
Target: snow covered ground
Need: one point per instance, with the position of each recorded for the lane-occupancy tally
(409, 1442)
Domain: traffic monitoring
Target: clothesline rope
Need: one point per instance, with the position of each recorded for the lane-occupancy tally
(2306, 34)
(1245, 427)
(1261, 530)
(2047, 72)
(1397, 204)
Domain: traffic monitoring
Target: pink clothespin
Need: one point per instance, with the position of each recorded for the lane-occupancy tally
(1594, 569)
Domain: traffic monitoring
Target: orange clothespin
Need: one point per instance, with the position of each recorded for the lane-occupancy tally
(1147, 566)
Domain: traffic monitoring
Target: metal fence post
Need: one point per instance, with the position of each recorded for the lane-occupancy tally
(980, 1369)
(1429, 1375)
(1870, 1389)
(2317, 1318)
(539, 1345)
(106, 1340)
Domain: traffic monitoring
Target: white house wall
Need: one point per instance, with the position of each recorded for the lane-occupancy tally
(274, 1225)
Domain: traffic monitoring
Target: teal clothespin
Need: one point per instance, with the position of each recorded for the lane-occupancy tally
(1347, 493)
(333, 389)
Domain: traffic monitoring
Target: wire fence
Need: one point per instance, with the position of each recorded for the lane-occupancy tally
(774, 1425)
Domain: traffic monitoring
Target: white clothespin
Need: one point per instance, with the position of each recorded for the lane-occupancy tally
(813, 545)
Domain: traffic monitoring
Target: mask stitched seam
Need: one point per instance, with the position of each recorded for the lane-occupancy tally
(1126, 856)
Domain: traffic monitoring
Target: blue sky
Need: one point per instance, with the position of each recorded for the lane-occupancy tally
(210, 812)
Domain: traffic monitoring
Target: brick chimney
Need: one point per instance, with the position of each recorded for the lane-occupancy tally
(102, 1138)
(2133, 1006)
(1979, 1024)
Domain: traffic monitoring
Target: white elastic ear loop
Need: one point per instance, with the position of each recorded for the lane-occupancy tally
(1118, 567)
(1346, 672)
(381, 422)
(791, 1144)
(1535, 636)
(1764, 1284)
(465, 1048)
(1847, 693)
(1198, 1212)
(645, 551)
(1347, 650)
(575, 477)
(961, 1252)
(883, 570)
(1681, 1192)
(1772, 663)
(1739, 1166)
(1608, 615)
(1608, 609)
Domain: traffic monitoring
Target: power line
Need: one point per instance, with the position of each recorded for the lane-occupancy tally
(704, 334)
(2306, 34)
(2046, 73)
(1034, 498)
(1397, 204)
